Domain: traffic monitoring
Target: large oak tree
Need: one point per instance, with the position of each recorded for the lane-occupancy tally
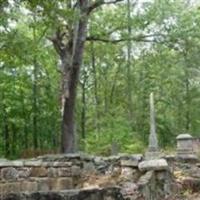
(69, 43)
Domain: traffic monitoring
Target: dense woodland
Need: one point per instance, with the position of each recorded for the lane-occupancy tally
(130, 49)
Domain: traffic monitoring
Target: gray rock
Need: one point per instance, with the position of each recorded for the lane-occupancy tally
(138, 157)
(129, 189)
(171, 157)
(129, 163)
(75, 171)
(52, 172)
(32, 163)
(86, 157)
(29, 186)
(43, 184)
(24, 172)
(156, 165)
(128, 173)
(59, 157)
(111, 158)
(9, 163)
(62, 164)
(64, 172)
(146, 178)
(198, 165)
(99, 161)
(9, 173)
(89, 167)
(124, 156)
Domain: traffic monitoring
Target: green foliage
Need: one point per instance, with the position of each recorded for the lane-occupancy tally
(114, 130)
(164, 59)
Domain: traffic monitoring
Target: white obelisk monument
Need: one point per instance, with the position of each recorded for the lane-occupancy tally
(153, 149)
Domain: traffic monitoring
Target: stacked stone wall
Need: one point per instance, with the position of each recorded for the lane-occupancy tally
(116, 177)
(56, 173)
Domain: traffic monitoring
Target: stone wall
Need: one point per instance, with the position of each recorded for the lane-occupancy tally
(38, 175)
(92, 194)
(51, 174)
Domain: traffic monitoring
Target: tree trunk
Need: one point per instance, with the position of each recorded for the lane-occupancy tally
(129, 82)
(35, 88)
(35, 135)
(14, 138)
(83, 110)
(114, 83)
(71, 54)
(71, 76)
(6, 136)
(187, 96)
(93, 62)
(24, 114)
(6, 131)
(68, 126)
(187, 90)
(5, 127)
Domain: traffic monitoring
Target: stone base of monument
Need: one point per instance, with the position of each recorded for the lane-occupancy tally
(190, 157)
(156, 165)
(156, 181)
(185, 150)
(152, 155)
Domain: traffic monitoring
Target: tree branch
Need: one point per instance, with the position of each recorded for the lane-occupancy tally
(42, 35)
(140, 38)
(57, 41)
(55, 44)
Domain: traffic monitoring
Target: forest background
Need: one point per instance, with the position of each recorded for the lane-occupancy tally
(132, 48)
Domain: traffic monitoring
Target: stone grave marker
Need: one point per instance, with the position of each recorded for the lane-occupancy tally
(153, 149)
(185, 146)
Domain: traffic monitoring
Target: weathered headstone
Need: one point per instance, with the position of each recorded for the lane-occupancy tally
(153, 149)
(185, 146)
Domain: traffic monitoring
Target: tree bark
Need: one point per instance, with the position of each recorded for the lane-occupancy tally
(6, 130)
(129, 82)
(6, 136)
(35, 135)
(14, 138)
(25, 142)
(187, 89)
(83, 110)
(187, 96)
(114, 83)
(35, 88)
(73, 53)
(93, 62)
